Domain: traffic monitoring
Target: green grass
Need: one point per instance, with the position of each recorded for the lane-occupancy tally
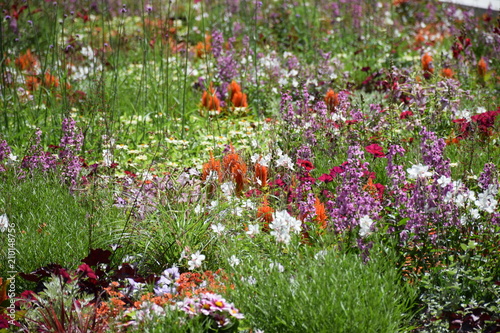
(53, 225)
(332, 293)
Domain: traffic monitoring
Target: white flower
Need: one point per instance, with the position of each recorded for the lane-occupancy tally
(196, 260)
(281, 226)
(262, 160)
(107, 157)
(486, 202)
(474, 213)
(444, 181)
(419, 171)
(218, 228)
(278, 266)
(365, 224)
(321, 254)
(12, 158)
(463, 114)
(234, 261)
(284, 161)
(4, 222)
(253, 229)
(228, 188)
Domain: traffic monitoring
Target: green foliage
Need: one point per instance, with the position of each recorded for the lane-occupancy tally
(328, 292)
(53, 225)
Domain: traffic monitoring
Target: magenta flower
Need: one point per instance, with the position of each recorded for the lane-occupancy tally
(375, 150)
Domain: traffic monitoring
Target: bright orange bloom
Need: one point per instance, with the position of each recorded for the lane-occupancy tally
(265, 214)
(236, 169)
(210, 101)
(321, 216)
(261, 174)
(427, 65)
(371, 188)
(447, 72)
(331, 99)
(26, 62)
(238, 98)
(482, 67)
(32, 83)
(50, 81)
(212, 165)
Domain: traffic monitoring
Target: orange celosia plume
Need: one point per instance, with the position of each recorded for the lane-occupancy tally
(331, 99)
(50, 81)
(235, 168)
(238, 98)
(212, 166)
(261, 174)
(427, 65)
(210, 101)
(482, 67)
(321, 216)
(26, 61)
(265, 214)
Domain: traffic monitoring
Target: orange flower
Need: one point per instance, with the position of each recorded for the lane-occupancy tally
(371, 188)
(447, 72)
(50, 81)
(265, 214)
(427, 65)
(236, 169)
(210, 101)
(212, 165)
(321, 216)
(26, 62)
(331, 99)
(261, 174)
(203, 48)
(32, 83)
(482, 67)
(238, 98)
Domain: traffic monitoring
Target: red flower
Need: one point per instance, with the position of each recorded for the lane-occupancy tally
(305, 164)
(405, 114)
(325, 178)
(375, 150)
(87, 271)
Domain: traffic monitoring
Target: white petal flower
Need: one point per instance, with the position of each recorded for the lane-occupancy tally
(4, 222)
(419, 171)
(196, 260)
(253, 229)
(365, 224)
(234, 261)
(284, 161)
(218, 228)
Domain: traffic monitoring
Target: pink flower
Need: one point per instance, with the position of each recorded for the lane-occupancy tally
(375, 150)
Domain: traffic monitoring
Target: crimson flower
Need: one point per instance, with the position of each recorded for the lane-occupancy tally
(405, 114)
(305, 164)
(375, 150)
(325, 178)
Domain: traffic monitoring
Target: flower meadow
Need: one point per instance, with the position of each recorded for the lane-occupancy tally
(249, 166)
